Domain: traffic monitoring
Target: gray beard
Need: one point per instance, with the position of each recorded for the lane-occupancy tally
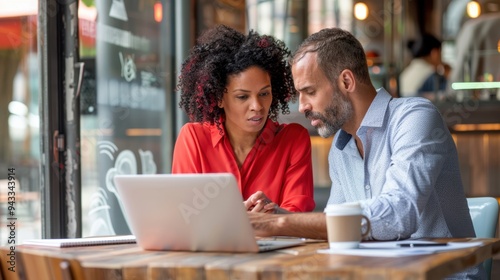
(327, 130)
(333, 120)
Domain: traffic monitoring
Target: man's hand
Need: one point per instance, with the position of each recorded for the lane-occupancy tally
(264, 224)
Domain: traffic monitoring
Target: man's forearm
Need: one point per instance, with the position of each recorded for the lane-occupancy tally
(307, 225)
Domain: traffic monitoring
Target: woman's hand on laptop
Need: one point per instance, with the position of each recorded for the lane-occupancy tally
(259, 202)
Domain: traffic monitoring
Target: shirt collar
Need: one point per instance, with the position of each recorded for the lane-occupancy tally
(216, 134)
(374, 117)
(266, 136)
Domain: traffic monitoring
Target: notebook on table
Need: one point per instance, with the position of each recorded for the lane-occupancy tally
(78, 242)
(189, 212)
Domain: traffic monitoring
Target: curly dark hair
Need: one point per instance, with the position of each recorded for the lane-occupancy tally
(221, 52)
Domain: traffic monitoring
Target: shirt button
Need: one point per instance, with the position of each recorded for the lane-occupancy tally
(367, 187)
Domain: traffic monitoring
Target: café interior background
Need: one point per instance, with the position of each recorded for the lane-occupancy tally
(126, 118)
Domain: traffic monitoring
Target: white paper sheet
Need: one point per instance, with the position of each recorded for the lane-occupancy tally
(392, 249)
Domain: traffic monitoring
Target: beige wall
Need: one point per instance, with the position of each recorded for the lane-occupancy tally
(479, 156)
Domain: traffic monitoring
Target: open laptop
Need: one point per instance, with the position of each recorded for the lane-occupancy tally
(189, 212)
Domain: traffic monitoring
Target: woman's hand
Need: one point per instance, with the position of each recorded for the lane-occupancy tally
(259, 202)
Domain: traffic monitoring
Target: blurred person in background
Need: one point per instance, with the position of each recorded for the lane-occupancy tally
(426, 74)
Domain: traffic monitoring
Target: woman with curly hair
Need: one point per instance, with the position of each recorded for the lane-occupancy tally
(233, 88)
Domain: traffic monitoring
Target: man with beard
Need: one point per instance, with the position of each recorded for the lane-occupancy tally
(395, 156)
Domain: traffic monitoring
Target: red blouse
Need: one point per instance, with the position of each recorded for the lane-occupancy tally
(279, 163)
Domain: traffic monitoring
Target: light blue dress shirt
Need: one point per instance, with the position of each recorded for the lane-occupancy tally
(408, 180)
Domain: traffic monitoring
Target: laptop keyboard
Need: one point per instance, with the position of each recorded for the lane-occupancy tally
(265, 244)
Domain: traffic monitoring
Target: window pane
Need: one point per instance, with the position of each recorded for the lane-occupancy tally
(125, 108)
(19, 125)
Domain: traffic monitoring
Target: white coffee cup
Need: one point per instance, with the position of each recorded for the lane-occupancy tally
(343, 222)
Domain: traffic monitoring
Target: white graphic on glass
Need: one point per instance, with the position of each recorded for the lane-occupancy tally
(125, 163)
(147, 162)
(118, 10)
(108, 148)
(129, 70)
(99, 215)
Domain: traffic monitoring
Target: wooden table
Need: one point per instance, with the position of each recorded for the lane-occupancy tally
(128, 261)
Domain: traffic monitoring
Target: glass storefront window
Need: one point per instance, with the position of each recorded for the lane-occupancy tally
(126, 108)
(19, 124)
